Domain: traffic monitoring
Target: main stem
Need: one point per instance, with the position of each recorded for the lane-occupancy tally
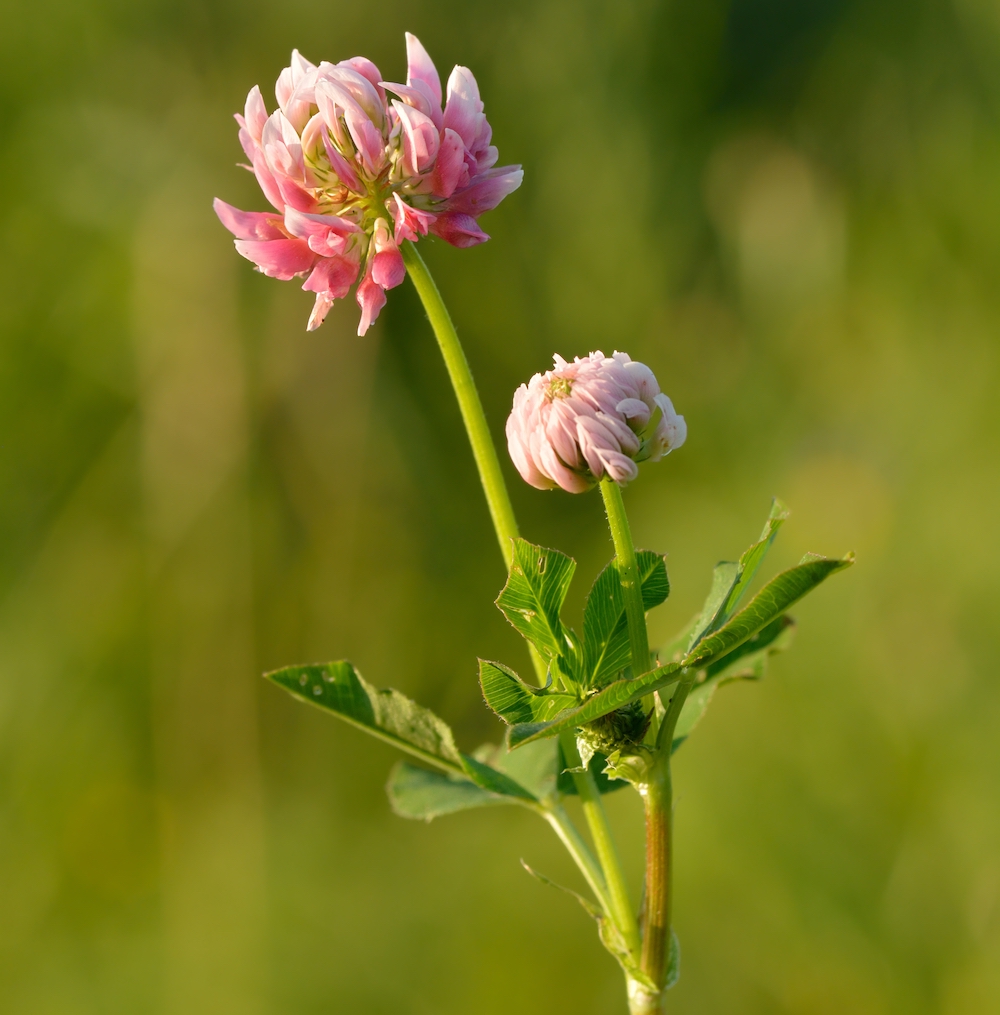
(656, 790)
(614, 898)
(469, 402)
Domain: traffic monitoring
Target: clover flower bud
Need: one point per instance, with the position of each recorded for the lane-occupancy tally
(593, 418)
(352, 174)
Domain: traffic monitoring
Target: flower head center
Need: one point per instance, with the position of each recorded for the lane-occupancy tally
(559, 387)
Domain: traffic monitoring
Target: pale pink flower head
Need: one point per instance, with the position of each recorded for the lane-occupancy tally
(591, 419)
(355, 165)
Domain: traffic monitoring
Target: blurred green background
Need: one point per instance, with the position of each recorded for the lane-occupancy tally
(791, 211)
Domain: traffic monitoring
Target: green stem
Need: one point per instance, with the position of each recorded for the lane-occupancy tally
(620, 906)
(578, 849)
(615, 897)
(657, 796)
(469, 402)
(628, 571)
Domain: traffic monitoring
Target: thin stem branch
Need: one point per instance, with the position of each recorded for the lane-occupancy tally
(620, 906)
(628, 572)
(578, 849)
(469, 402)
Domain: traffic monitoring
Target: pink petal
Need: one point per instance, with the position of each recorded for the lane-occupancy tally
(487, 191)
(619, 467)
(316, 137)
(247, 143)
(255, 113)
(329, 100)
(332, 94)
(319, 311)
(294, 195)
(463, 111)
(411, 223)
(570, 481)
(294, 90)
(420, 67)
(282, 147)
(282, 259)
(388, 269)
(364, 93)
(487, 159)
(333, 277)
(523, 461)
(367, 138)
(371, 299)
(636, 411)
(639, 375)
(249, 225)
(420, 138)
(417, 97)
(458, 230)
(450, 170)
(368, 70)
(327, 235)
(593, 439)
(266, 180)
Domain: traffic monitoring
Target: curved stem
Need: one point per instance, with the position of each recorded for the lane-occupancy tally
(469, 402)
(628, 571)
(577, 848)
(615, 895)
(620, 906)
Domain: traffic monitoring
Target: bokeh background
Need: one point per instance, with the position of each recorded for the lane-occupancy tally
(791, 210)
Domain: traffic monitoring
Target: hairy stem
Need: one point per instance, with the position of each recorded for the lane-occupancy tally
(469, 402)
(628, 572)
(658, 802)
(656, 796)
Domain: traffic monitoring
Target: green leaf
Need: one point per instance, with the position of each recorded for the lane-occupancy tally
(536, 767)
(424, 795)
(725, 574)
(493, 781)
(752, 558)
(673, 961)
(517, 702)
(731, 579)
(748, 662)
(606, 648)
(387, 714)
(772, 600)
(616, 695)
(533, 596)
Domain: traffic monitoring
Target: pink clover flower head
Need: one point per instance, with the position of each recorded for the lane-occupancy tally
(591, 419)
(354, 165)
